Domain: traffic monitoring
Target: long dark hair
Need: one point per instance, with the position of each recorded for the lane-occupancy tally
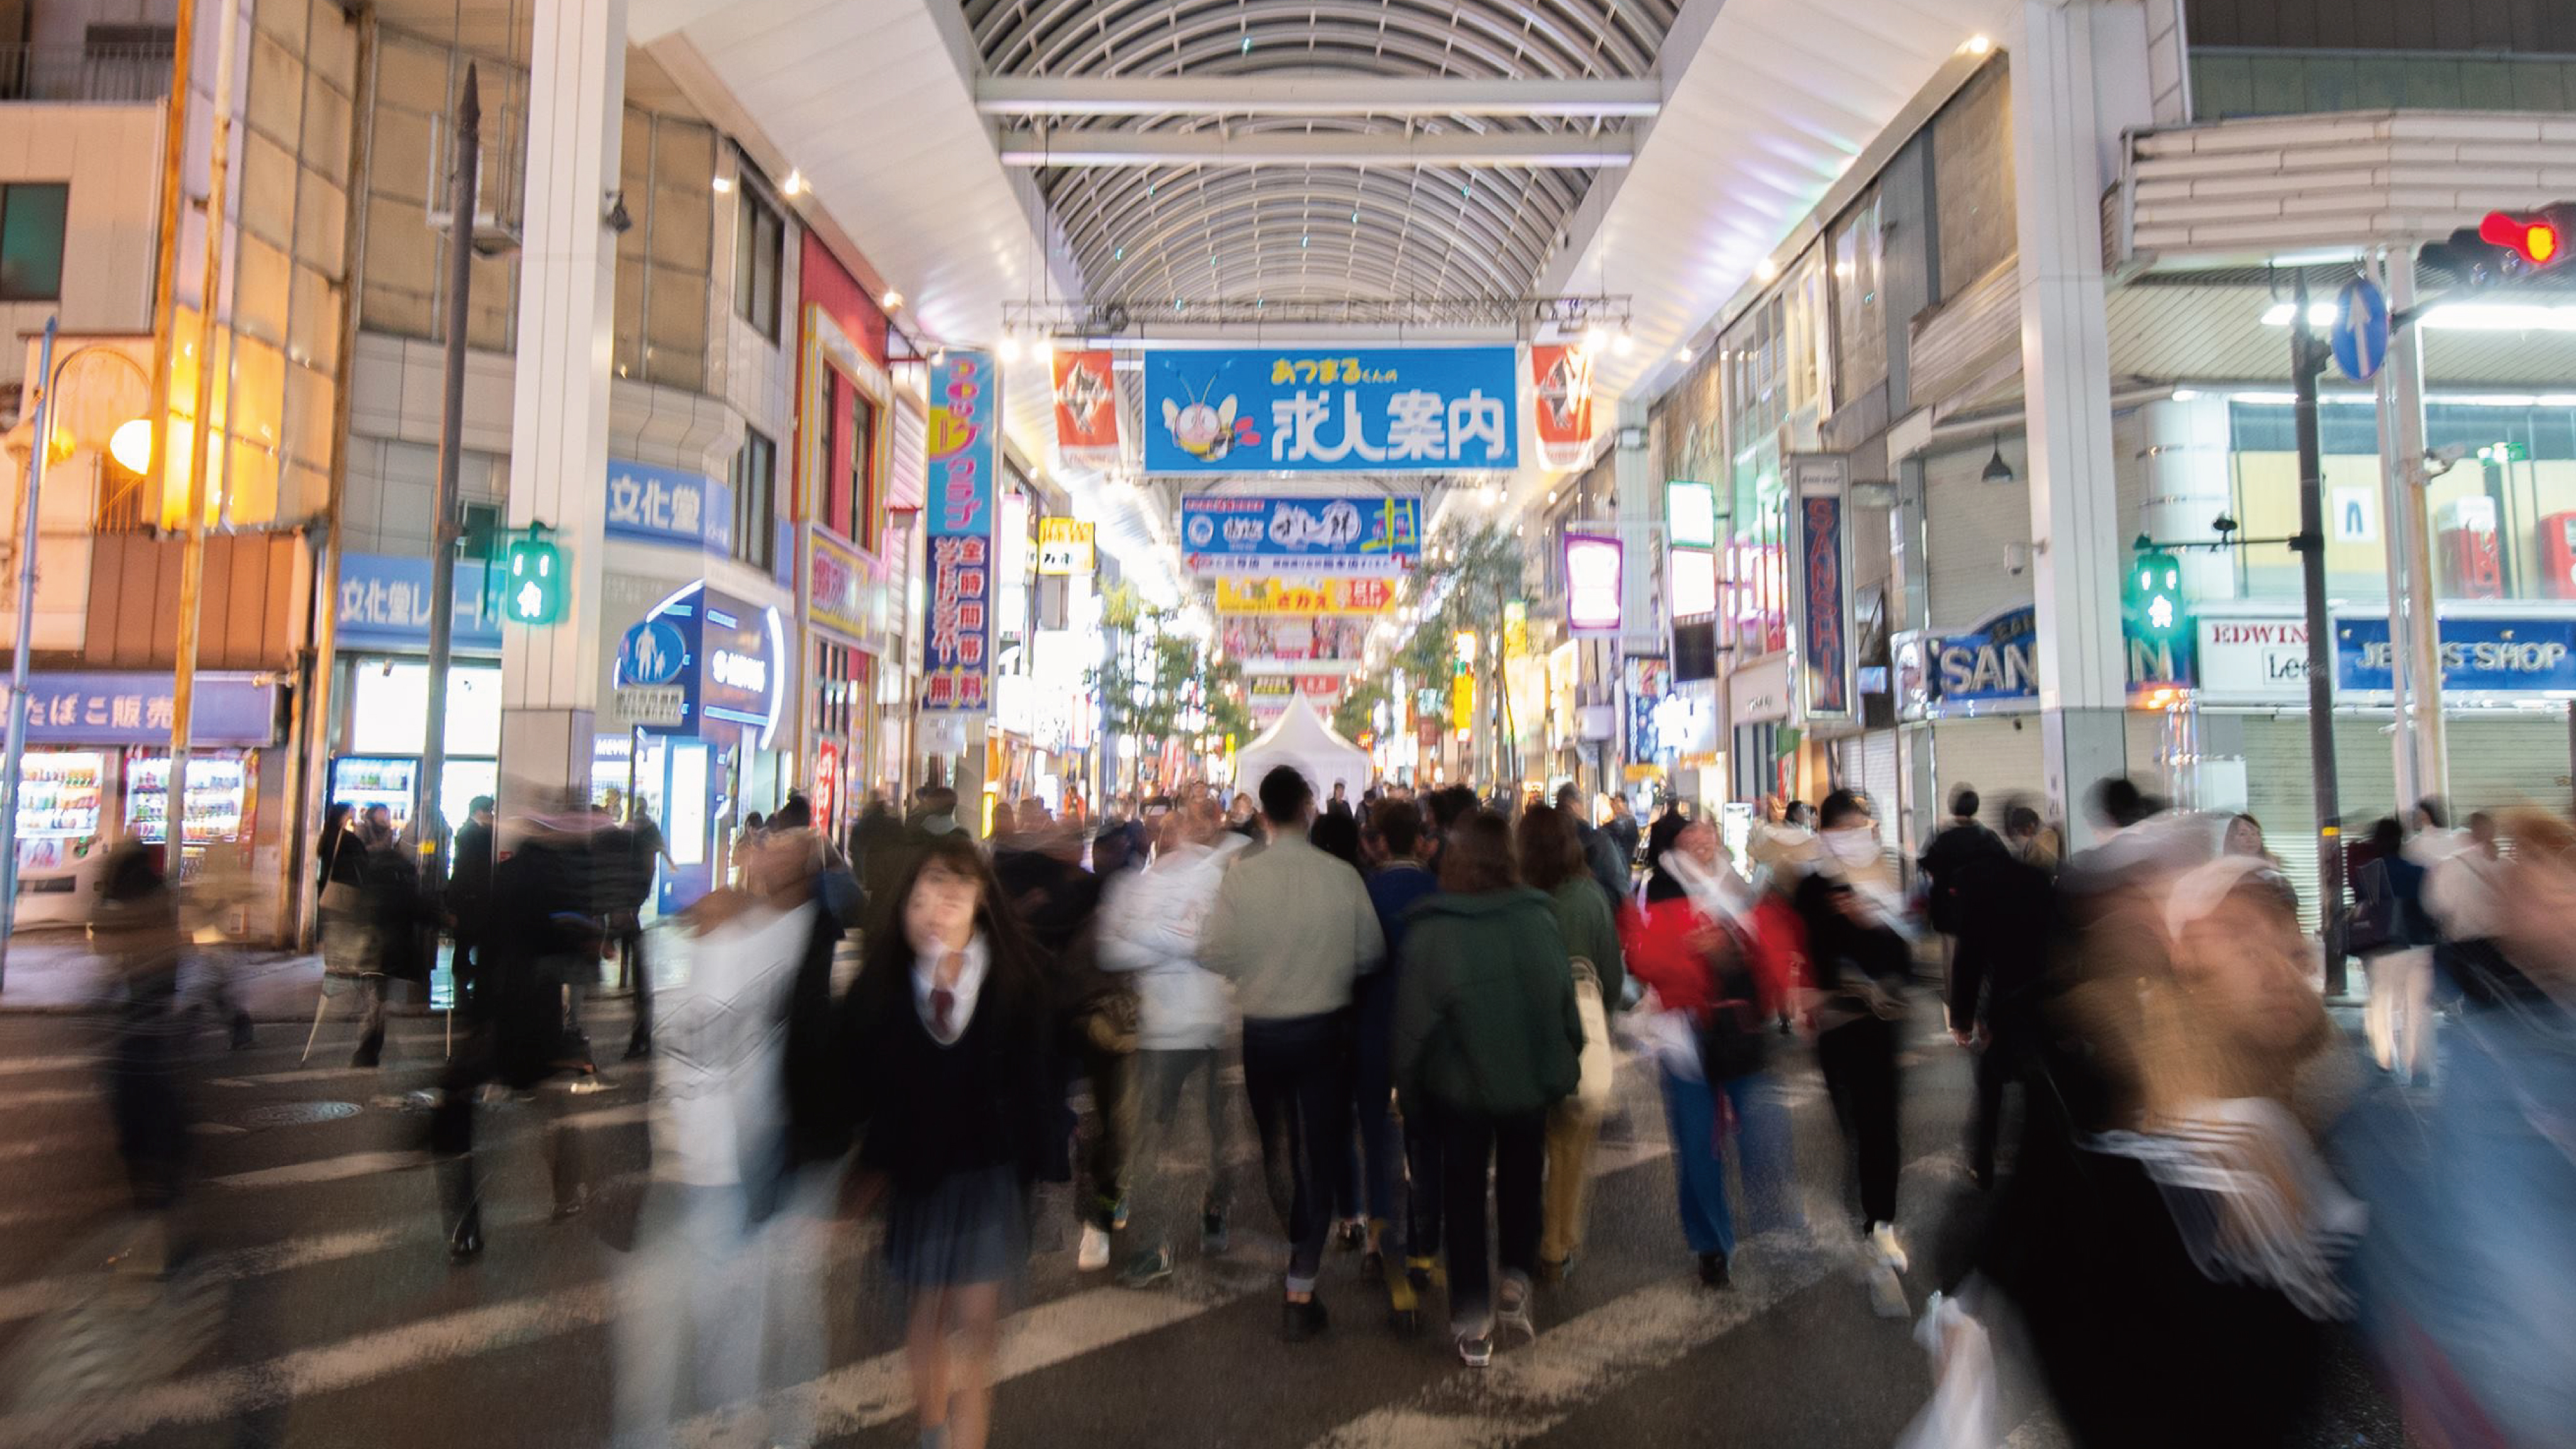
(1550, 853)
(885, 972)
(1479, 856)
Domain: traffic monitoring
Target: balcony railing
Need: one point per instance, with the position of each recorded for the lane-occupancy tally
(121, 73)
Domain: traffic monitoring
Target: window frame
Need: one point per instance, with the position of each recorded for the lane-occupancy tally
(755, 528)
(62, 238)
(759, 301)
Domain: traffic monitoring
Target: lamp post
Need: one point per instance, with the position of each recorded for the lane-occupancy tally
(49, 374)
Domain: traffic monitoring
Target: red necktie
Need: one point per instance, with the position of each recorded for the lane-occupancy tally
(943, 1004)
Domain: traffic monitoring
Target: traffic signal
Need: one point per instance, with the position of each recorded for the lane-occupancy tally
(2156, 608)
(532, 589)
(2506, 247)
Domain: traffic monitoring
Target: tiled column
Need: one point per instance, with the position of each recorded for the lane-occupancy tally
(559, 433)
(2078, 77)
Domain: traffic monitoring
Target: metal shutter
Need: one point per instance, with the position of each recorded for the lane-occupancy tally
(910, 483)
(2001, 757)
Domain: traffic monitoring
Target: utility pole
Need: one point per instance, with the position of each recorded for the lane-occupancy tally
(2413, 531)
(2307, 360)
(429, 822)
(40, 446)
(192, 554)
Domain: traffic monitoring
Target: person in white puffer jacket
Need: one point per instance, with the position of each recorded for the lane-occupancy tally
(1149, 925)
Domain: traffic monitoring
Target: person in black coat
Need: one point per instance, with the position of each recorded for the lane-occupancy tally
(469, 896)
(2007, 912)
(949, 1038)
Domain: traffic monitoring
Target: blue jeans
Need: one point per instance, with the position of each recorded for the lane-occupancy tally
(1699, 1162)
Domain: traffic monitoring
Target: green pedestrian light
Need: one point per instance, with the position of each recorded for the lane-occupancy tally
(532, 589)
(2156, 608)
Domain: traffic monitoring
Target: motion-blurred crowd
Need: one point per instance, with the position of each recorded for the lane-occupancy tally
(2213, 1184)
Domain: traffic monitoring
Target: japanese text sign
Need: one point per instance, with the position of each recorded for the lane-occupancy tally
(669, 505)
(847, 594)
(136, 709)
(964, 450)
(1224, 535)
(384, 604)
(1066, 548)
(1382, 410)
(1329, 594)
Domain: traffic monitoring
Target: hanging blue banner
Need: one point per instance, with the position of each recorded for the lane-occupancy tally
(1383, 410)
(964, 444)
(1300, 535)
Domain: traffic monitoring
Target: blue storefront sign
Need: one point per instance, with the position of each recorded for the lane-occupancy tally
(1380, 410)
(384, 604)
(135, 709)
(650, 504)
(1997, 660)
(1300, 535)
(2513, 655)
(705, 665)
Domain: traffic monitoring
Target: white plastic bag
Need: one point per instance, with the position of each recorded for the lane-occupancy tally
(1594, 1067)
(1962, 1412)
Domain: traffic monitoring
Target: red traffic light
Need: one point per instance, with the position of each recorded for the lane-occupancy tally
(2538, 240)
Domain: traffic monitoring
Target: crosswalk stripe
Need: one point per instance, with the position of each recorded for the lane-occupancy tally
(363, 1164)
(249, 1388)
(26, 1066)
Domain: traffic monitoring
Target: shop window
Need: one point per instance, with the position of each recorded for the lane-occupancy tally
(1972, 180)
(860, 494)
(1860, 305)
(31, 240)
(755, 483)
(760, 240)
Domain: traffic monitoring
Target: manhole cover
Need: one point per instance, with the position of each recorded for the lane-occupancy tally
(296, 1114)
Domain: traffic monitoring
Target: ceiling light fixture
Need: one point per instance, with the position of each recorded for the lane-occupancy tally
(892, 299)
(1766, 270)
(1997, 470)
(1977, 45)
(1681, 354)
(724, 186)
(794, 185)
(1620, 344)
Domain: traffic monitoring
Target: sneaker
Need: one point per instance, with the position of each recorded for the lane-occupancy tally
(1213, 1239)
(1301, 1322)
(1425, 1274)
(1146, 1269)
(1476, 1350)
(1404, 1305)
(1891, 1253)
(1512, 1310)
(1556, 1271)
(1886, 1294)
(1354, 1235)
(1712, 1271)
(1094, 1253)
(1118, 1216)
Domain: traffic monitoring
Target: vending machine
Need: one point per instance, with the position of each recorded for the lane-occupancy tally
(2465, 548)
(2558, 555)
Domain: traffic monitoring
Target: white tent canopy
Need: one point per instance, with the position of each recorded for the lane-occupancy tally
(1302, 740)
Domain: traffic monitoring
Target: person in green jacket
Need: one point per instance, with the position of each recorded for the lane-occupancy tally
(1487, 1040)
(1552, 860)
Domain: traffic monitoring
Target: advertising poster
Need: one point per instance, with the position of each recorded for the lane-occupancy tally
(1561, 403)
(1382, 410)
(1326, 594)
(1325, 640)
(1086, 410)
(1820, 483)
(1254, 536)
(1066, 548)
(964, 452)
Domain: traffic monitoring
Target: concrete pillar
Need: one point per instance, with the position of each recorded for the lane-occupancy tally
(2078, 78)
(559, 433)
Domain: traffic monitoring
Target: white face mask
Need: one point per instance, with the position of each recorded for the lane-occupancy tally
(1854, 844)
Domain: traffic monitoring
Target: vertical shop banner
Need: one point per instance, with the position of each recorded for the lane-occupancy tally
(1383, 410)
(1248, 536)
(1592, 583)
(1561, 403)
(1819, 485)
(1086, 410)
(964, 450)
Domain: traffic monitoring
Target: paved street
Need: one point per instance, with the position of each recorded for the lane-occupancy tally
(320, 1311)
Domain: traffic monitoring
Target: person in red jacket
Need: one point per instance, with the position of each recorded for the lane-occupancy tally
(1720, 988)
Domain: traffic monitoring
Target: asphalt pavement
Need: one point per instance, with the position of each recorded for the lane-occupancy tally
(313, 1304)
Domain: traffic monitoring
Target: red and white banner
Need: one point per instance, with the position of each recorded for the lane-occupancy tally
(1086, 410)
(1561, 385)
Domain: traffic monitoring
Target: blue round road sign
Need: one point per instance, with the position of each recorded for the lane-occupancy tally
(653, 653)
(2361, 330)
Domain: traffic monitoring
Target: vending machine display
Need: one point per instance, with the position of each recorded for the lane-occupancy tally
(58, 805)
(362, 782)
(218, 796)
